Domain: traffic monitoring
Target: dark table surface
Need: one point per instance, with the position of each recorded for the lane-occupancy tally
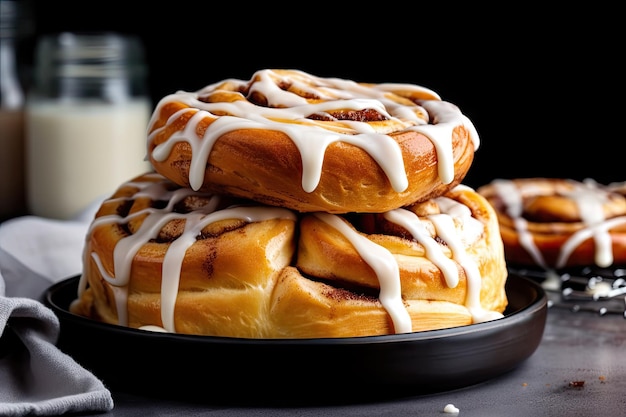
(577, 370)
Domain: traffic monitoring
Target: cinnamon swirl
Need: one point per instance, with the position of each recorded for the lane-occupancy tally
(290, 139)
(163, 257)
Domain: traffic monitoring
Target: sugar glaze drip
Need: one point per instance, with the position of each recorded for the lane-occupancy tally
(456, 239)
(385, 267)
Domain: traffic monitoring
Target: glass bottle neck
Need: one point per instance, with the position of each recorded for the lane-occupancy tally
(105, 66)
(11, 93)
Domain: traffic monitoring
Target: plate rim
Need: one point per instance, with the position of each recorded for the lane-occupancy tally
(418, 363)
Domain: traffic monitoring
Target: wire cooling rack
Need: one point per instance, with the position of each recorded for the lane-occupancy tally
(592, 289)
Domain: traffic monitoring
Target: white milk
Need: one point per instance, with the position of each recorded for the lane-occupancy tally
(79, 152)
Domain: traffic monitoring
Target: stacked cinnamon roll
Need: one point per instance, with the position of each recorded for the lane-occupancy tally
(295, 206)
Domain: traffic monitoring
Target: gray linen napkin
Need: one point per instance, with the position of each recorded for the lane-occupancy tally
(36, 378)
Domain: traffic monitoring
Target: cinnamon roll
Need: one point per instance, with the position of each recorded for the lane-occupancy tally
(163, 257)
(290, 139)
(554, 223)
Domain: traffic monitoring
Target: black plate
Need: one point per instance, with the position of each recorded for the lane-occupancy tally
(218, 369)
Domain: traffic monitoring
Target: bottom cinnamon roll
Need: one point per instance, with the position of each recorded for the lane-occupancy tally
(556, 224)
(165, 258)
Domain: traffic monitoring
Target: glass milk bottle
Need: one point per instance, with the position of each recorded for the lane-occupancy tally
(86, 120)
(12, 194)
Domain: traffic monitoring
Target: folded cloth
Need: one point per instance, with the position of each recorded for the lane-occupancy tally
(36, 378)
(36, 252)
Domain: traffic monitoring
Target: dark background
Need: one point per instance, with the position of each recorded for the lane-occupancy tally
(545, 89)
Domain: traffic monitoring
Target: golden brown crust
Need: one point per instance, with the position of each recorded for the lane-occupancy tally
(264, 163)
(271, 273)
(265, 166)
(302, 308)
(325, 252)
(567, 223)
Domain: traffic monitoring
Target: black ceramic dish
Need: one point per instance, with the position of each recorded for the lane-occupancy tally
(219, 370)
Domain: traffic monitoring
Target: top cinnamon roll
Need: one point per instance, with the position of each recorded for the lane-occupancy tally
(290, 139)
(559, 223)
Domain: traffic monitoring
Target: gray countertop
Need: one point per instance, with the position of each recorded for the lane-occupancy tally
(577, 370)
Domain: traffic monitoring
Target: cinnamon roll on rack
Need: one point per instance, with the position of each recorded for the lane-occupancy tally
(163, 257)
(556, 224)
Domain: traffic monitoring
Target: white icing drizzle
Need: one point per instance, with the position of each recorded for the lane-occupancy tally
(313, 137)
(456, 237)
(600, 233)
(384, 265)
(194, 223)
(456, 240)
(588, 196)
(512, 198)
(127, 247)
(472, 230)
(412, 223)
